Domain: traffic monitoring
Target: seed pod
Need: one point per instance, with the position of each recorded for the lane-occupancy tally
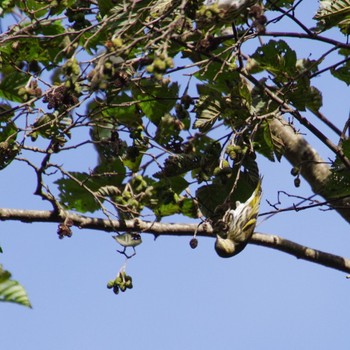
(295, 171)
(194, 243)
(110, 284)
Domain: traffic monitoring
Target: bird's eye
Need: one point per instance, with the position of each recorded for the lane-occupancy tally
(136, 236)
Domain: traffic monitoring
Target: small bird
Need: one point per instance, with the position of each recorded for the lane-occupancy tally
(241, 224)
(128, 240)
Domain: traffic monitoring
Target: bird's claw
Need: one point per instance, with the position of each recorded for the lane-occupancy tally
(125, 254)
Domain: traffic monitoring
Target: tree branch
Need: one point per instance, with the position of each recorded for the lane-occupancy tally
(302, 252)
(168, 229)
(307, 36)
(82, 221)
(312, 167)
(301, 119)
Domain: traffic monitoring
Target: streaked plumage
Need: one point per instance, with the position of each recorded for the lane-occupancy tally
(241, 224)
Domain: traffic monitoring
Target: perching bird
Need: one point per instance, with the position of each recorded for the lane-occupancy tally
(128, 240)
(241, 224)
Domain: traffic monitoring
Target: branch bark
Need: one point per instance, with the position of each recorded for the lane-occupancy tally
(168, 229)
(302, 252)
(313, 168)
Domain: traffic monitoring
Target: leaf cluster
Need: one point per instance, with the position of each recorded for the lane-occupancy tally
(170, 101)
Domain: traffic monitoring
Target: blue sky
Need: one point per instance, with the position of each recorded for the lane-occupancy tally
(182, 298)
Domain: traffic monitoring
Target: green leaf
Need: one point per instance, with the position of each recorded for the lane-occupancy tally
(134, 155)
(74, 196)
(125, 112)
(314, 101)
(33, 6)
(105, 6)
(177, 183)
(263, 141)
(208, 108)
(275, 5)
(201, 161)
(189, 208)
(303, 96)
(77, 193)
(110, 170)
(107, 141)
(156, 99)
(49, 28)
(8, 135)
(334, 13)
(166, 200)
(276, 57)
(11, 290)
(346, 148)
(8, 129)
(217, 78)
(338, 184)
(164, 197)
(342, 73)
(168, 131)
(50, 127)
(207, 117)
(332, 8)
(212, 197)
(267, 143)
(6, 7)
(234, 108)
(305, 66)
(11, 81)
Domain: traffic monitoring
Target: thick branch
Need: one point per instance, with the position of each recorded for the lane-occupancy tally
(82, 221)
(301, 119)
(313, 168)
(302, 252)
(156, 228)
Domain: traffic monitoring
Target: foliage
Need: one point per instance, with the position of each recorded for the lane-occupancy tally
(334, 13)
(175, 103)
(11, 291)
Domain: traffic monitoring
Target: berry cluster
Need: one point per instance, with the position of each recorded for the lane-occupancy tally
(64, 229)
(77, 13)
(121, 283)
(60, 97)
(176, 165)
(296, 173)
(30, 90)
(236, 152)
(159, 65)
(260, 20)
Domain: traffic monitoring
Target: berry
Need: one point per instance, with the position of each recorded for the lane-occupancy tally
(194, 243)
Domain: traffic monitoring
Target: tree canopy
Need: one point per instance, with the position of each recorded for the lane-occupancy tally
(177, 102)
